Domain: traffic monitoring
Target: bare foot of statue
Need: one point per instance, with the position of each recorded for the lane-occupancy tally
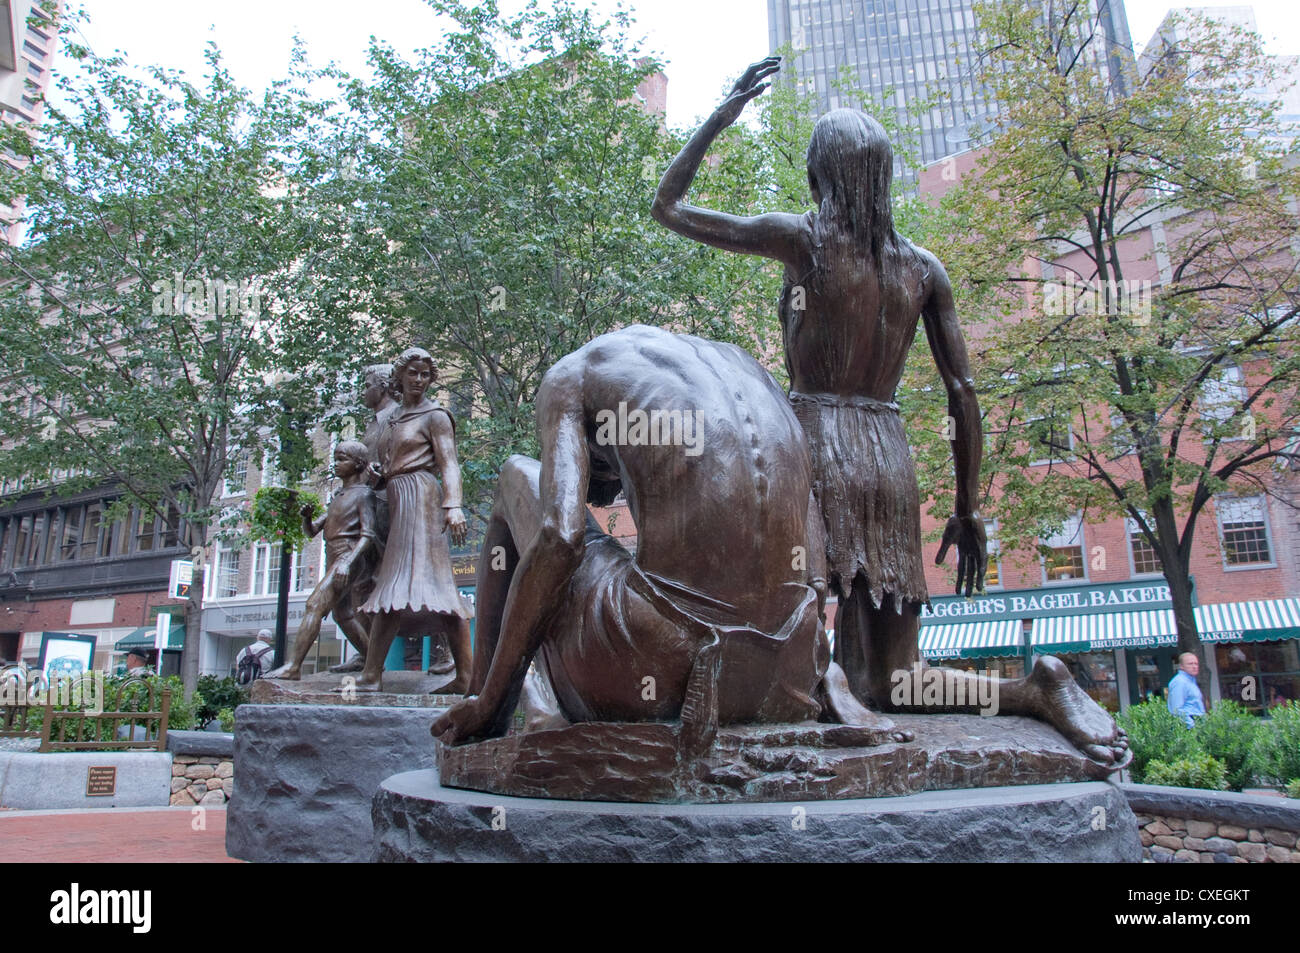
(288, 672)
(355, 664)
(457, 686)
(1066, 707)
(850, 711)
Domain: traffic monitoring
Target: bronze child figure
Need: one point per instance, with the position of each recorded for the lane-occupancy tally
(349, 527)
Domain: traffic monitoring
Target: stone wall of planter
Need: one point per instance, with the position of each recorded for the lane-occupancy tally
(201, 779)
(1184, 825)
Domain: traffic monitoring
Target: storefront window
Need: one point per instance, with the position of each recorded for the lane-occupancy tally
(1259, 675)
(1095, 674)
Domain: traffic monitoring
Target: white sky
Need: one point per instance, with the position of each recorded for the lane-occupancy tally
(704, 43)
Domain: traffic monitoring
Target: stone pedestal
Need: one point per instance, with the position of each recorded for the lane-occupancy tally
(305, 775)
(416, 819)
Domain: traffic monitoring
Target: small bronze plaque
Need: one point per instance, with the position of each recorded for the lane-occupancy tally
(101, 782)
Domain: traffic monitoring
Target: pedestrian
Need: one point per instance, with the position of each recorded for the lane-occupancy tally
(252, 660)
(1185, 698)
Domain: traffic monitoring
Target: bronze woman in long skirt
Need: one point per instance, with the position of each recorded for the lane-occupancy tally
(415, 590)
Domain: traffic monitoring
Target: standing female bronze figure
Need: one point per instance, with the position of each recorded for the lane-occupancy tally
(415, 590)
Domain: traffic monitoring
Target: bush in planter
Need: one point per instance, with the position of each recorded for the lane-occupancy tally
(217, 694)
(1154, 734)
(1231, 734)
(1280, 750)
(1198, 771)
(227, 718)
(1293, 788)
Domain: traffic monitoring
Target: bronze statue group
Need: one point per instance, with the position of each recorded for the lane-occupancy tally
(717, 609)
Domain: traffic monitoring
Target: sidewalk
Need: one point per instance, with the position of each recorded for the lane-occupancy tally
(114, 835)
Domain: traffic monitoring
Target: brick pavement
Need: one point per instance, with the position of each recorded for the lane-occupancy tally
(113, 835)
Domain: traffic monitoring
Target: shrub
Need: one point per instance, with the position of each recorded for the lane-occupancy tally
(216, 694)
(1280, 748)
(1231, 734)
(227, 718)
(1198, 771)
(1154, 734)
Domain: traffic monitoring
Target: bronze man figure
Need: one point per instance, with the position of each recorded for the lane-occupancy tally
(713, 621)
(854, 291)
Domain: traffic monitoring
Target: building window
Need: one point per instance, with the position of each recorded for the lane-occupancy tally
(1244, 528)
(266, 569)
(1145, 559)
(1063, 560)
(1221, 397)
(91, 530)
(227, 572)
(1047, 437)
(236, 481)
(993, 573)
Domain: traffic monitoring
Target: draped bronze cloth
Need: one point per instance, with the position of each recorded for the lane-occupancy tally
(866, 488)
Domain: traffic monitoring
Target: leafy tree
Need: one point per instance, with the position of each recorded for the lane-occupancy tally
(166, 285)
(1166, 191)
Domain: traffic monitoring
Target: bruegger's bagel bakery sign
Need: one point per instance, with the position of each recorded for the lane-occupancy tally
(1083, 599)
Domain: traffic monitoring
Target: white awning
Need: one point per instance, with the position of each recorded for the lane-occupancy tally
(998, 637)
(1148, 628)
(1249, 621)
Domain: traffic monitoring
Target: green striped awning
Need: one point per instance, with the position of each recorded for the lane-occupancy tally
(987, 639)
(1263, 621)
(143, 638)
(1148, 628)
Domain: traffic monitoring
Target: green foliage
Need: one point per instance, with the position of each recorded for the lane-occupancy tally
(1293, 788)
(275, 515)
(1154, 734)
(1198, 771)
(216, 695)
(1080, 164)
(226, 717)
(1232, 735)
(1280, 750)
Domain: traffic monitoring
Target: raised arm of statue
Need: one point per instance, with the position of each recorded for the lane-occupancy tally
(774, 235)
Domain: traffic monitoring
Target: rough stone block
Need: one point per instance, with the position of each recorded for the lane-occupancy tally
(197, 789)
(1254, 853)
(1144, 819)
(226, 769)
(228, 786)
(1281, 838)
(1220, 845)
(217, 744)
(1170, 841)
(415, 819)
(200, 772)
(1206, 856)
(1202, 828)
(1194, 843)
(180, 784)
(305, 776)
(208, 759)
(1146, 838)
(1255, 837)
(1232, 832)
(178, 770)
(185, 759)
(1161, 855)
(1186, 857)
(1159, 828)
(1277, 855)
(213, 797)
(182, 799)
(1222, 858)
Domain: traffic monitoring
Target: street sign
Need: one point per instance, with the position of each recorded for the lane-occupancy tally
(161, 630)
(182, 576)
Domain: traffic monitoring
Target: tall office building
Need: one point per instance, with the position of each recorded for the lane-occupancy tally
(913, 48)
(27, 40)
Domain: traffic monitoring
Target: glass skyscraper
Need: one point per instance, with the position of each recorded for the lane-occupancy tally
(914, 48)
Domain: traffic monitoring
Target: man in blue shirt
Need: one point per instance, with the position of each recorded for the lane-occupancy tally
(1185, 698)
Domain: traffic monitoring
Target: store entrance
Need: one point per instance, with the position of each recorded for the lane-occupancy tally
(1149, 672)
